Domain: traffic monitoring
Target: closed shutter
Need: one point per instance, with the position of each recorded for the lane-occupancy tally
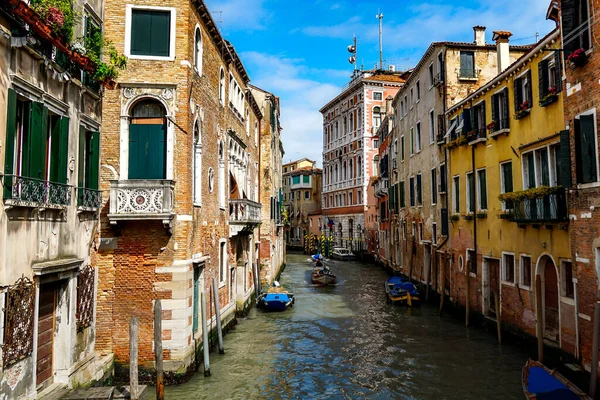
(483, 117)
(402, 195)
(9, 144)
(471, 184)
(558, 75)
(508, 178)
(36, 147)
(411, 190)
(505, 113)
(444, 216)
(568, 21)
(433, 186)
(529, 95)
(483, 190)
(59, 150)
(564, 160)
(419, 190)
(150, 33)
(517, 93)
(81, 165)
(542, 78)
(495, 105)
(586, 146)
(466, 65)
(93, 162)
(441, 125)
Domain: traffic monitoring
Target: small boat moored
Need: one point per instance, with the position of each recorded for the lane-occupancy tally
(540, 382)
(399, 290)
(275, 298)
(342, 253)
(322, 275)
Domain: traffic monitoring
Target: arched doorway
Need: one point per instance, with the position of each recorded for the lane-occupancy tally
(551, 323)
(147, 141)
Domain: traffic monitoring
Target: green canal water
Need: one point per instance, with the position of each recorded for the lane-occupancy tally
(345, 342)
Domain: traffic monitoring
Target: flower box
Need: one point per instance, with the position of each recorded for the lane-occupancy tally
(521, 114)
(577, 58)
(548, 99)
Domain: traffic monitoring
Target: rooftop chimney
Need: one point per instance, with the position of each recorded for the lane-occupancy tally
(479, 32)
(502, 49)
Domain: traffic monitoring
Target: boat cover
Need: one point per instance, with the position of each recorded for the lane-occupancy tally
(276, 297)
(547, 387)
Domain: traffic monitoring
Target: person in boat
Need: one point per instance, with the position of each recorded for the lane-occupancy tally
(319, 263)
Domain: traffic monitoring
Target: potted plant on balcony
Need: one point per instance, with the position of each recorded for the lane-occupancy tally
(492, 126)
(523, 110)
(58, 16)
(550, 96)
(577, 58)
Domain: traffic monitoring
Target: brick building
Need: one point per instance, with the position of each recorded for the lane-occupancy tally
(180, 170)
(302, 185)
(50, 119)
(581, 100)
(350, 123)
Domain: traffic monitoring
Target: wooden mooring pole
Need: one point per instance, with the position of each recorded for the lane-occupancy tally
(468, 276)
(158, 351)
(133, 359)
(539, 318)
(205, 344)
(595, 345)
(218, 316)
(442, 282)
(498, 319)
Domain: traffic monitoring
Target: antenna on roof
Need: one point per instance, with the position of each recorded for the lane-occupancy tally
(379, 16)
(537, 36)
(352, 50)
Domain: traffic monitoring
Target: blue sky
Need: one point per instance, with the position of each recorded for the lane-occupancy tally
(297, 49)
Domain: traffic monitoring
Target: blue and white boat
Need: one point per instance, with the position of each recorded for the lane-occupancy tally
(275, 298)
(539, 382)
(400, 290)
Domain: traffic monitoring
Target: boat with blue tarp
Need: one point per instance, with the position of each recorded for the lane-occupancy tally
(399, 290)
(276, 298)
(540, 382)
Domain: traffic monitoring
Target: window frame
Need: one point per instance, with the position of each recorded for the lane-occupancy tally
(172, 39)
(504, 269)
(456, 194)
(198, 54)
(375, 93)
(563, 281)
(478, 187)
(522, 284)
(469, 196)
(595, 183)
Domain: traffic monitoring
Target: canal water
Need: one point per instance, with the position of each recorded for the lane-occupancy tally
(345, 342)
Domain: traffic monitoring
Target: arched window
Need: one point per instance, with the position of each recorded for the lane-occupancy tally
(345, 126)
(197, 165)
(222, 87)
(198, 51)
(337, 129)
(376, 165)
(376, 117)
(344, 172)
(248, 123)
(350, 170)
(337, 176)
(359, 167)
(221, 175)
(256, 133)
(351, 123)
(148, 140)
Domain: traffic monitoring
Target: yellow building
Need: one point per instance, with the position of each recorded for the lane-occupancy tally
(505, 149)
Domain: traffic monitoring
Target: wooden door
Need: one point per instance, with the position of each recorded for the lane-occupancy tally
(45, 338)
(551, 324)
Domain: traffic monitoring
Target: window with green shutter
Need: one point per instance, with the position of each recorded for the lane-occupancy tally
(585, 149)
(295, 180)
(482, 181)
(306, 179)
(89, 164)
(150, 33)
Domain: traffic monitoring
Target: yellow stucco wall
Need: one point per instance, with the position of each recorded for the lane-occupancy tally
(540, 128)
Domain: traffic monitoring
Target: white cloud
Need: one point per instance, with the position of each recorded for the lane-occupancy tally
(239, 15)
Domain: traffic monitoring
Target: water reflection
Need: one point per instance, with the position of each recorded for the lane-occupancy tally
(345, 342)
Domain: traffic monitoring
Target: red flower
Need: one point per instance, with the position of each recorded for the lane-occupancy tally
(576, 54)
(524, 106)
(55, 17)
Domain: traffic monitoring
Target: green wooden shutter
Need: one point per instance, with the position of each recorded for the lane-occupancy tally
(483, 114)
(558, 76)
(568, 25)
(81, 164)
(483, 190)
(508, 178)
(542, 78)
(196, 299)
(160, 33)
(505, 113)
(495, 106)
(141, 25)
(59, 150)
(36, 147)
(587, 149)
(517, 94)
(471, 184)
(529, 94)
(564, 160)
(9, 143)
(93, 161)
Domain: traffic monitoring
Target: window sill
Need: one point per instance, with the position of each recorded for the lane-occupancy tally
(482, 214)
(567, 300)
(467, 78)
(499, 132)
(525, 287)
(588, 185)
(222, 284)
(82, 209)
(197, 204)
(522, 113)
(150, 58)
(508, 283)
(469, 217)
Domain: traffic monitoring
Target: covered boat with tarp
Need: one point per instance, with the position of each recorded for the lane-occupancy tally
(540, 382)
(276, 298)
(399, 290)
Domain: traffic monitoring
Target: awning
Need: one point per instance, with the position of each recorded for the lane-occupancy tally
(452, 126)
(460, 126)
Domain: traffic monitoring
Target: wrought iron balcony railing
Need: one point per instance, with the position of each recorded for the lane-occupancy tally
(499, 126)
(244, 212)
(476, 136)
(31, 192)
(142, 200)
(549, 208)
(89, 199)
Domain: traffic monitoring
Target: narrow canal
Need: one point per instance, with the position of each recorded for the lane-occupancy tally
(345, 342)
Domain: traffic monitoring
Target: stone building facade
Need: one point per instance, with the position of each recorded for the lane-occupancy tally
(179, 172)
(581, 101)
(350, 123)
(272, 245)
(50, 125)
(447, 72)
(302, 185)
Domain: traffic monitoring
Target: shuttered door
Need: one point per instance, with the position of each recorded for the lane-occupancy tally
(93, 161)
(564, 160)
(11, 128)
(147, 151)
(59, 149)
(45, 336)
(37, 142)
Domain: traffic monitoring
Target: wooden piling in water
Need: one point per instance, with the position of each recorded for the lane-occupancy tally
(467, 311)
(218, 316)
(158, 351)
(205, 344)
(133, 359)
(539, 318)
(443, 285)
(595, 345)
(498, 320)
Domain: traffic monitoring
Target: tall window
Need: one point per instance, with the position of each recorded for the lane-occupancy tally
(470, 192)
(467, 64)
(433, 186)
(419, 190)
(359, 167)
(482, 186)
(575, 25)
(222, 262)
(456, 192)
(147, 140)
(418, 89)
(506, 182)
(431, 75)
(567, 287)
(508, 268)
(522, 90)
(525, 269)
(198, 51)
(150, 33)
(197, 165)
(586, 149)
(500, 118)
(221, 176)
(418, 139)
(412, 141)
(89, 164)
(402, 147)
(549, 79)
(443, 182)
(411, 189)
(222, 87)
(402, 195)
(376, 117)
(431, 127)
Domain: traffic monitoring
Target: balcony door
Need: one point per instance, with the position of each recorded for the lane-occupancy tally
(147, 141)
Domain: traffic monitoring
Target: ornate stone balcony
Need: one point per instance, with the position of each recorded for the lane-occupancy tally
(244, 215)
(134, 200)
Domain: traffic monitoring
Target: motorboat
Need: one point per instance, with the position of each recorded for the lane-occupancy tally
(276, 298)
(322, 275)
(540, 382)
(342, 253)
(400, 290)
